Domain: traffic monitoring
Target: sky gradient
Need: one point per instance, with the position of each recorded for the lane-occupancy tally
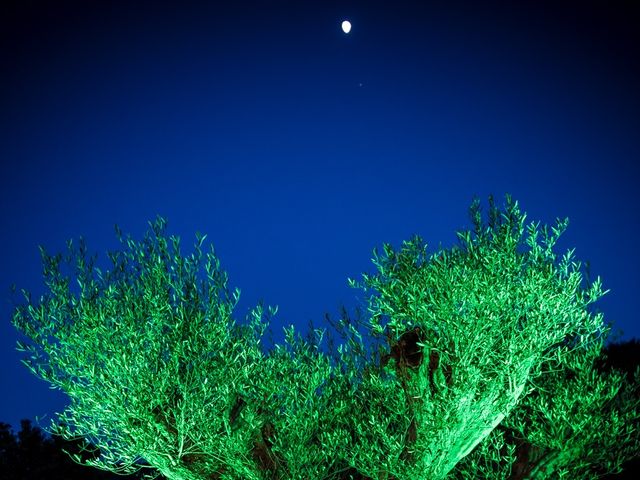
(298, 149)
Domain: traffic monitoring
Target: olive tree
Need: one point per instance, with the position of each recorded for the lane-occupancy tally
(160, 376)
(475, 328)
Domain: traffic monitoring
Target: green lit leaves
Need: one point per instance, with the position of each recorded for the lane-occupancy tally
(500, 305)
(120, 342)
(158, 371)
(578, 415)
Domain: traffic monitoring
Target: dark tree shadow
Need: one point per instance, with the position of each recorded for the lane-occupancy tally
(32, 455)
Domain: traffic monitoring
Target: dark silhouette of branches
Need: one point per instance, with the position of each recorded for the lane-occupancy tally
(624, 356)
(32, 455)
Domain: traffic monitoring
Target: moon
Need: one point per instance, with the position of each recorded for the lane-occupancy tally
(346, 26)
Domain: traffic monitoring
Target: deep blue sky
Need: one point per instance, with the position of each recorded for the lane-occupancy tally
(298, 148)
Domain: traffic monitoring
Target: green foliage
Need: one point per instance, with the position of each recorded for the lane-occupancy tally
(492, 312)
(578, 417)
(154, 365)
(160, 376)
(577, 422)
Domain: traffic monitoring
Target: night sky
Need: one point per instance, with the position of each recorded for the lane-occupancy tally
(298, 148)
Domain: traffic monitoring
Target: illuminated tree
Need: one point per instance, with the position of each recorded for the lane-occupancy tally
(161, 378)
(158, 374)
(489, 317)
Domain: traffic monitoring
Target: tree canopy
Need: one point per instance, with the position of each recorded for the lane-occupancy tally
(488, 368)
